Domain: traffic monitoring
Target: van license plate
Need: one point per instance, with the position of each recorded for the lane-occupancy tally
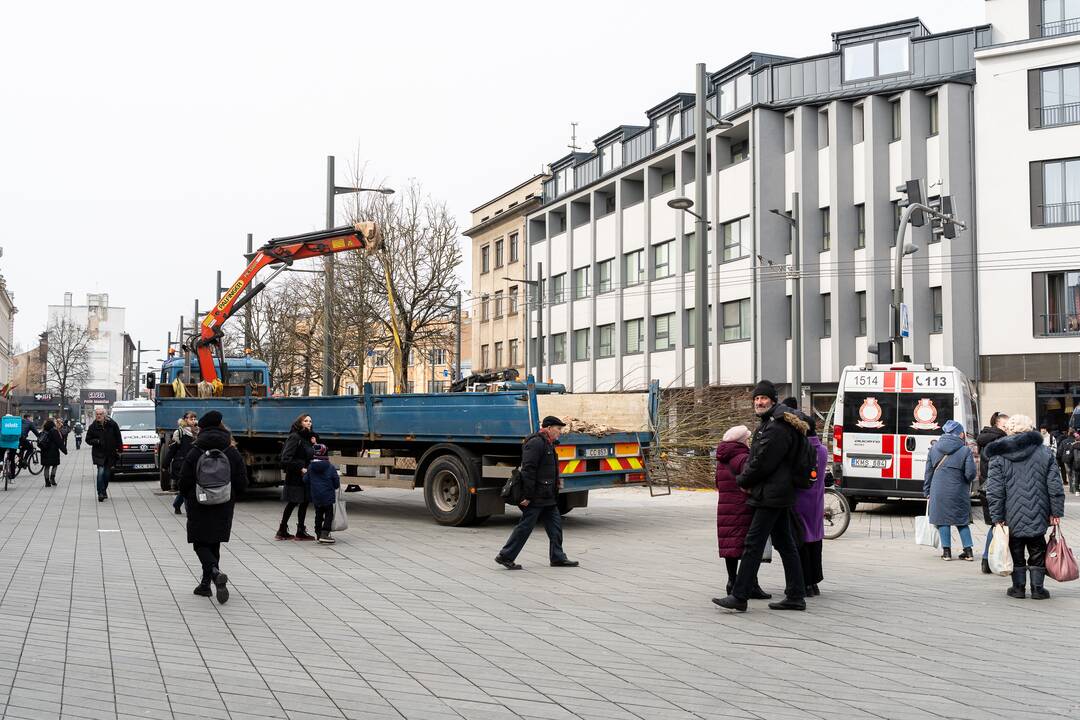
(869, 462)
(596, 452)
(143, 467)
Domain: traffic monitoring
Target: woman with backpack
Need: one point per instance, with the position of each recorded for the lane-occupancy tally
(950, 469)
(296, 456)
(51, 443)
(212, 463)
(179, 446)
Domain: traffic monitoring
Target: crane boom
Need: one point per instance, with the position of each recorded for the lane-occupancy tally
(278, 253)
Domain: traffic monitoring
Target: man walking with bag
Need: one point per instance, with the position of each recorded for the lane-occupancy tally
(540, 488)
(768, 478)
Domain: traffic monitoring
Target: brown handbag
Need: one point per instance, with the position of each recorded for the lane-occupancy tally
(1060, 562)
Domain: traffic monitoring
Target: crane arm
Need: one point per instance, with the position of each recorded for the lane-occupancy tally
(279, 253)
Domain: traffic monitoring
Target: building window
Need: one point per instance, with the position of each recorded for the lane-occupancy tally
(1060, 17)
(1060, 312)
(736, 320)
(666, 128)
(484, 308)
(498, 303)
(513, 353)
(498, 355)
(1060, 192)
(740, 151)
(485, 259)
(662, 260)
(610, 157)
(438, 356)
(564, 181)
(634, 267)
(826, 315)
(581, 344)
(634, 331)
(498, 253)
(662, 327)
(609, 204)
(484, 357)
(938, 322)
(894, 112)
(933, 110)
(692, 329)
(603, 275)
(1059, 96)
(860, 298)
(667, 181)
(787, 315)
(826, 229)
(690, 251)
(513, 247)
(736, 235)
(606, 341)
(558, 288)
(378, 387)
(581, 283)
(380, 360)
(873, 59)
(410, 387)
(513, 308)
(860, 222)
(558, 348)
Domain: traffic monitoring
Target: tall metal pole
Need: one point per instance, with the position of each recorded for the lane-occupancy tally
(701, 269)
(898, 282)
(328, 284)
(138, 371)
(431, 359)
(539, 322)
(457, 341)
(247, 310)
(796, 303)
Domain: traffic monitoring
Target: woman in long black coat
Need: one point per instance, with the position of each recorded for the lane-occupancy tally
(51, 443)
(297, 454)
(210, 525)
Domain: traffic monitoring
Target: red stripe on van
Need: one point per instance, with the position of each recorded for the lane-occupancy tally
(905, 459)
(907, 382)
(890, 382)
(887, 449)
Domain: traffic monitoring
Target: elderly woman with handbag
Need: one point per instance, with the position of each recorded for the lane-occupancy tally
(950, 469)
(1024, 490)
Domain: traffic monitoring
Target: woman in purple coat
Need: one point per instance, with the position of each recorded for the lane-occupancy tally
(732, 513)
(810, 512)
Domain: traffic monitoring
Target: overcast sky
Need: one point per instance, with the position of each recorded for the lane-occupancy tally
(140, 142)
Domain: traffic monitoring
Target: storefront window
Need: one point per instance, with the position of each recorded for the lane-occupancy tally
(1054, 403)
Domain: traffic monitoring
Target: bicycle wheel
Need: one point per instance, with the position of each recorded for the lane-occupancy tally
(33, 463)
(837, 514)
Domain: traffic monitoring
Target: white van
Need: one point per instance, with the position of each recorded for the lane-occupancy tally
(139, 453)
(884, 421)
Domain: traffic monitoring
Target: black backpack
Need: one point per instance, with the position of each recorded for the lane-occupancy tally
(804, 464)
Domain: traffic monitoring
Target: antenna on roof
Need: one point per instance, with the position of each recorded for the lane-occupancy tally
(573, 137)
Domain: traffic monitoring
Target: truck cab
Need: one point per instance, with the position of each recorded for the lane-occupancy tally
(241, 371)
(138, 454)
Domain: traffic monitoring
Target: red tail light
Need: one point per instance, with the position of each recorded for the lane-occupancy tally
(838, 443)
(125, 447)
(635, 477)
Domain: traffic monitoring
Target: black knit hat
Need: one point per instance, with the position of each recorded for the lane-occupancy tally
(790, 402)
(210, 419)
(766, 388)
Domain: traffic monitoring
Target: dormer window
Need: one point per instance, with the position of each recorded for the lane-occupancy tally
(610, 157)
(735, 94)
(891, 56)
(564, 181)
(666, 128)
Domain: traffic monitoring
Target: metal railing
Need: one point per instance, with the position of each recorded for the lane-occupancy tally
(1053, 115)
(549, 190)
(637, 147)
(1065, 213)
(587, 172)
(1060, 27)
(1061, 324)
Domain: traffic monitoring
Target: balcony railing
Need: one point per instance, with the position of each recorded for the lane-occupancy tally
(1054, 115)
(587, 172)
(637, 147)
(1061, 324)
(1060, 27)
(1066, 213)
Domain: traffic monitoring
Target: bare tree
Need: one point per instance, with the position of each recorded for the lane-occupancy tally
(67, 363)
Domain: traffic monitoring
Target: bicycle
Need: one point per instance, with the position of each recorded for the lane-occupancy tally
(837, 513)
(32, 460)
(10, 467)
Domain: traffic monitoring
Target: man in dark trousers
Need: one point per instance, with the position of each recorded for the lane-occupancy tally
(767, 478)
(104, 438)
(540, 488)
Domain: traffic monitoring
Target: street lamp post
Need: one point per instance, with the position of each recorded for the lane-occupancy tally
(333, 190)
(795, 275)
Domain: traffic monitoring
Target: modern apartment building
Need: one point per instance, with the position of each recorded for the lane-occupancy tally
(110, 363)
(497, 299)
(842, 129)
(1027, 112)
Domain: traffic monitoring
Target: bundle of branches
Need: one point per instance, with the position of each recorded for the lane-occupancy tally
(690, 426)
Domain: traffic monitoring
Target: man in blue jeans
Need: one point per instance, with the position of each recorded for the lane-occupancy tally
(540, 488)
(103, 437)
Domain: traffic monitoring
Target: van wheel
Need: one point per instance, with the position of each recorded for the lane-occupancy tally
(852, 502)
(446, 492)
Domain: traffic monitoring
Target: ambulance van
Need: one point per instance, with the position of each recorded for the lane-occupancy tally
(884, 421)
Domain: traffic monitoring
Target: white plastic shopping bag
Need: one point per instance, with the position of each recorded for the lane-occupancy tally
(341, 520)
(999, 557)
(925, 533)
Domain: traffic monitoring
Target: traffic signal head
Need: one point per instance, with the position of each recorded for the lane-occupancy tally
(913, 190)
(948, 229)
(370, 235)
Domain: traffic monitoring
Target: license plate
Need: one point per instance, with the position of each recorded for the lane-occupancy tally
(869, 462)
(596, 452)
(143, 467)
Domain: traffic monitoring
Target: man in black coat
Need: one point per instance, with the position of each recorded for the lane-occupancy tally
(540, 488)
(105, 441)
(210, 525)
(767, 479)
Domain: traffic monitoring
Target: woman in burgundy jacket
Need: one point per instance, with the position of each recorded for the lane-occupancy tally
(732, 513)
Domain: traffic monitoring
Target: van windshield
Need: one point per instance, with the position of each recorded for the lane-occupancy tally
(134, 418)
(924, 414)
(870, 412)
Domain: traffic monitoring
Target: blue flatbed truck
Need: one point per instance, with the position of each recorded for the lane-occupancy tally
(459, 447)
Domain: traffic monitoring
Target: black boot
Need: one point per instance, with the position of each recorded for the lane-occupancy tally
(283, 532)
(758, 594)
(302, 533)
(986, 567)
(1019, 577)
(220, 580)
(967, 555)
(946, 554)
(1038, 575)
(203, 588)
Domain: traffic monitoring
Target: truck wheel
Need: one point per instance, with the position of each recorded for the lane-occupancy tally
(446, 492)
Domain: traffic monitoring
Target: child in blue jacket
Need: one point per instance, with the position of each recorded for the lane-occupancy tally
(323, 483)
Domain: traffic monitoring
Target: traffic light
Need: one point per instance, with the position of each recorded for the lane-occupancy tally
(948, 229)
(913, 190)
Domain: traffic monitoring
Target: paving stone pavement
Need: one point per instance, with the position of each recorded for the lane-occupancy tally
(406, 619)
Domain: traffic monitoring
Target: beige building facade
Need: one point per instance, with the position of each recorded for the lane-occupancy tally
(499, 294)
(430, 369)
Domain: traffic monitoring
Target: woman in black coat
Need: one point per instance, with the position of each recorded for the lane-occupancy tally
(51, 443)
(298, 453)
(210, 525)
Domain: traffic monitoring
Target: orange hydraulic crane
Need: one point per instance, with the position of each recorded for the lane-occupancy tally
(279, 253)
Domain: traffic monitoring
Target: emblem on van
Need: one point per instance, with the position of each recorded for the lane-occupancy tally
(870, 414)
(925, 415)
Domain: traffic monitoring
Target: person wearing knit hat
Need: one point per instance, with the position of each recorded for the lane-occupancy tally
(950, 470)
(764, 388)
(210, 419)
(323, 482)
